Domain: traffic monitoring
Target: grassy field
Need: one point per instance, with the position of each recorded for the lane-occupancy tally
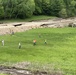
(60, 50)
(3, 74)
(33, 18)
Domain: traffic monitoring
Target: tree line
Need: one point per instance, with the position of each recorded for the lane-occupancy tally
(27, 8)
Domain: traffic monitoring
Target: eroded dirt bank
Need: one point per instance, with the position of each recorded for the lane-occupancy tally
(28, 68)
(20, 71)
(8, 28)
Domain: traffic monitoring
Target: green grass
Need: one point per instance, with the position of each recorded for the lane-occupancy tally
(59, 51)
(33, 18)
(3, 74)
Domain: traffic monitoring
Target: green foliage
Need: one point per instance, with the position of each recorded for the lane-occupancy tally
(18, 8)
(46, 7)
(26, 8)
(33, 18)
(63, 13)
(38, 7)
(1, 10)
(3, 74)
(56, 6)
(70, 7)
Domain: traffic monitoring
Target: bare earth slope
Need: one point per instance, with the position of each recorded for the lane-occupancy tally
(8, 28)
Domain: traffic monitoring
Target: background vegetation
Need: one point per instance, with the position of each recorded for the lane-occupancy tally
(59, 52)
(27, 8)
(33, 18)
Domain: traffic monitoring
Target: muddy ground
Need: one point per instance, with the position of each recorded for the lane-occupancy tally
(27, 68)
(20, 71)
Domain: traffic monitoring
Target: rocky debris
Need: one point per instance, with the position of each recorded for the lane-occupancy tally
(1, 22)
(72, 24)
(45, 73)
(57, 19)
(14, 71)
(20, 71)
(47, 24)
(40, 73)
(21, 64)
(6, 28)
(17, 25)
(28, 68)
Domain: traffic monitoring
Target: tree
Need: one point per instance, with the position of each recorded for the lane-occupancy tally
(56, 6)
(70, 7)
(38, 7)
(46, 7)
(18, 8)
(63, 13)
(1, 10)
(26, 8)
